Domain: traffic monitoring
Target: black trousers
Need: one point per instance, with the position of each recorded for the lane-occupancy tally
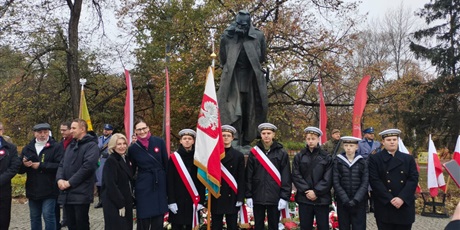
(388, 226)
(181, 227)
(77, 216)
(230, 219)
(155, 222)
(352, 218)
(307, 213)
(273, 216)
(5, 212)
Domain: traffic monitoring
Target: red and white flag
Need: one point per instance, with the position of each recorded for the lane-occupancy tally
(434, 176)
(456, 155)
(403, 149)
(129, 108)
(322, 113)
(209, 145)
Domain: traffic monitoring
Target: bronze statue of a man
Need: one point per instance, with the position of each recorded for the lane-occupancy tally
(242, 95)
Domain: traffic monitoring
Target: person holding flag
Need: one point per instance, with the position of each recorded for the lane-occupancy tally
(186, 194)
(232, 187)
(312, 176)
(268, 178)
(393, 177)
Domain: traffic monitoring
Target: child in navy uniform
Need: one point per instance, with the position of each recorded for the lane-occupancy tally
(350, 181)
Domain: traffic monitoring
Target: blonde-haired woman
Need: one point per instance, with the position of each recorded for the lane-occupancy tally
(116, 186)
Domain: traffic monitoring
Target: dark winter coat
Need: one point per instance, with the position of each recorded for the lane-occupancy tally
(41, 182)
(228, 94)
(9, 166)
(150, 185)
(350, 179)
(117, 192)
(225, 204)
(178, 193)
(391, 177)
(312, 171)
(78, 166)
(260, 186)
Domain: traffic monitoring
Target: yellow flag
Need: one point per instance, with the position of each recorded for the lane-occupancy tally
(84, 114)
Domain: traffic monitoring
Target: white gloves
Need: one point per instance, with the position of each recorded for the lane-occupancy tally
(282, 204)
(121, 211)
(238, 204)
(200, 206)
(249, 202)
(173, 208)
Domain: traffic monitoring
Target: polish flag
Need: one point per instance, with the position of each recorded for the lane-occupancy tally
(435, 176)
(403, 149)
(456, 155)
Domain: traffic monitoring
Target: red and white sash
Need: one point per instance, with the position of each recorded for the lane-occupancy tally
(188, 182)
(244, 217)
(228, 177)
(267, 164)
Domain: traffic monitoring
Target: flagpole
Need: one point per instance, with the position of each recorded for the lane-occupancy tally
(213, 56)
(82, 83)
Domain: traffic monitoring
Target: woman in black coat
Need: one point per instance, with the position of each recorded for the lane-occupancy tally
(116, 186)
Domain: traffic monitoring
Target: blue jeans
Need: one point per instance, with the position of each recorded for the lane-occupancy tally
(45, 207)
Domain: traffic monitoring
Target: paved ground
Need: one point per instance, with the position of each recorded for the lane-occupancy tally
(20, 220)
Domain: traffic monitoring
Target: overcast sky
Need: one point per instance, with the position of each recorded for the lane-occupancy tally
(377, 8)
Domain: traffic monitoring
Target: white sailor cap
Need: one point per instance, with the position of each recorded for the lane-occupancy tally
(189, 132)
(228, 128)
(350, 139)
(313, 130)
(390, 133)
(267, 126)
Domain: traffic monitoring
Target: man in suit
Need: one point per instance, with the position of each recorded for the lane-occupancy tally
(393, 177)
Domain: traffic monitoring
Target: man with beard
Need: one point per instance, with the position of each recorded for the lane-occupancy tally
(40, 160)
(242, 96)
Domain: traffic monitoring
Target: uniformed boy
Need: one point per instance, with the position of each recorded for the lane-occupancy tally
(312, 176)
(268, 183)
(350, 180)
(393, 177)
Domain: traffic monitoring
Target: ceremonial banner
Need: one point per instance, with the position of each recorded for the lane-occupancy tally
(84, 113)
(322, 113)
(434, 176)
(359, 105)
(129, 108)
(167, 116)
(209, 145)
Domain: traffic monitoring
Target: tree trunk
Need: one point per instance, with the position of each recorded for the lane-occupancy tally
(72, 55)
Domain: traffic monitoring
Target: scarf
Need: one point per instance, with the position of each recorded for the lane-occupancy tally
(145, 141)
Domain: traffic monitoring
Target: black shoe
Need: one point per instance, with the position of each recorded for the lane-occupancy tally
(63, 224)
(98, 205)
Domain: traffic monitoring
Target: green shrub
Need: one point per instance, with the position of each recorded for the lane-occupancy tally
(19, 185)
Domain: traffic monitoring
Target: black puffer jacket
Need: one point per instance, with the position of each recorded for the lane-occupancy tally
(78, 166)
(350, 180)
(41, 182)
(312, 171)
(260, 186)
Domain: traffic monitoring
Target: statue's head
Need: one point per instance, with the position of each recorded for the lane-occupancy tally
(243, 22)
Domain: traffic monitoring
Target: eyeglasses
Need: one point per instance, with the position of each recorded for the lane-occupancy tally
(142, 129)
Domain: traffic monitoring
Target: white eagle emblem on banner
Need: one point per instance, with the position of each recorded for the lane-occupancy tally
(208, 116)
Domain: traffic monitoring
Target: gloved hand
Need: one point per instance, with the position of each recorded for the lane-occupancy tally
(121, 211)
(352, 203)
(200, 206)
(173, 208)
(249, 202)
(238, 204)
(282, 204)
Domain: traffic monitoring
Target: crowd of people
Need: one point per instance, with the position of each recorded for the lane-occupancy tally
(141, 175)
